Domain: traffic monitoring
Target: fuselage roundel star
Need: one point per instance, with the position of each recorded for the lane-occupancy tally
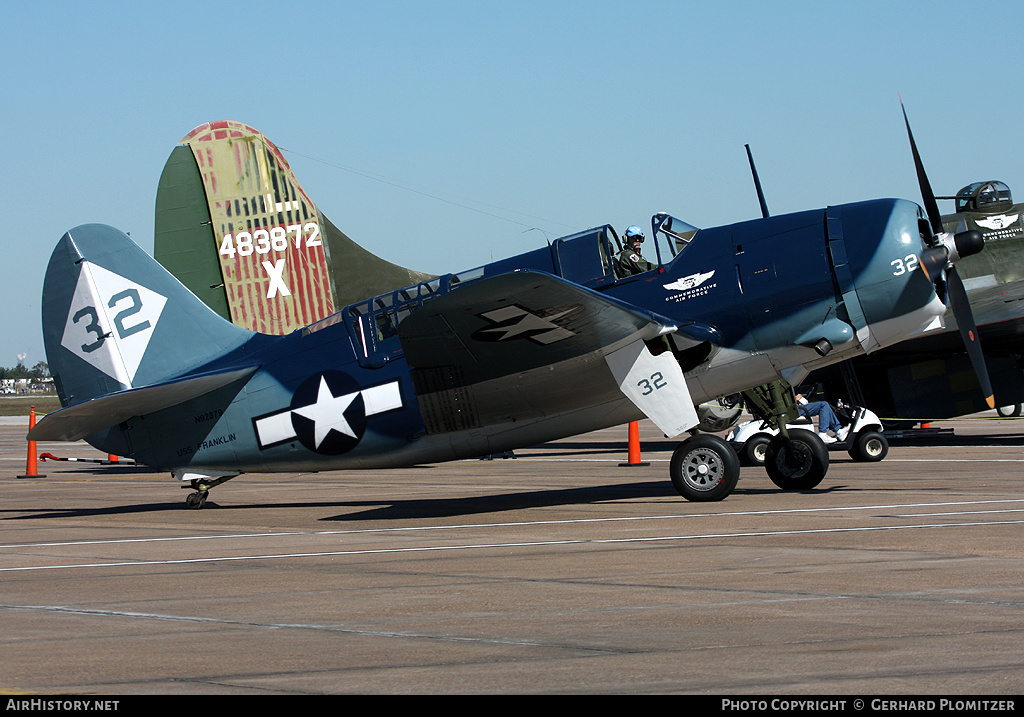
(328, 413)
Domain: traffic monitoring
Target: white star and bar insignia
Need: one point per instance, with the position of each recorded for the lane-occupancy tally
(328, 413)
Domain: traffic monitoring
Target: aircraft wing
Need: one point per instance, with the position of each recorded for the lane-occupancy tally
(84, 419)
(995, 303)
(527, 345)
(999, 313)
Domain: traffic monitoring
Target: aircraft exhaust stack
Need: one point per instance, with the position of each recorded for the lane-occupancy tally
(823, 347)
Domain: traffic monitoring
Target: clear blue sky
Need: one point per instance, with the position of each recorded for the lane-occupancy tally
(445, 131)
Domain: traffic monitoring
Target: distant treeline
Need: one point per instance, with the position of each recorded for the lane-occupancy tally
(39, 371)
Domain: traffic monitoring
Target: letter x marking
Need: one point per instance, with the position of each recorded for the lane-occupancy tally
(276, 273)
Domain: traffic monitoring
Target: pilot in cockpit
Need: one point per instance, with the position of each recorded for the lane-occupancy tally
(630, 261)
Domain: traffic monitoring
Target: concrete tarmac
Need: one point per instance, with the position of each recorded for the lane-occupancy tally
(559, 571)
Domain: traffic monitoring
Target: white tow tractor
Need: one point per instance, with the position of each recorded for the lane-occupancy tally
(864, 440)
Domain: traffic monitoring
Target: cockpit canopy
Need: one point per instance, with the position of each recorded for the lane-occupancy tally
(675, 232)
(587, 258)
(984, 197)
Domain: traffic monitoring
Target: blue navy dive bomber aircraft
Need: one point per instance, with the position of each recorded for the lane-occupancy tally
(540, 346)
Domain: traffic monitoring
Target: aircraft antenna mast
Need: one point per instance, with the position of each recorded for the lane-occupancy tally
(757, 183)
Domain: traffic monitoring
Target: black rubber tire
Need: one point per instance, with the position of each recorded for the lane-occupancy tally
(753, 451)
(869, 447)
(798, 464)
(704, 468)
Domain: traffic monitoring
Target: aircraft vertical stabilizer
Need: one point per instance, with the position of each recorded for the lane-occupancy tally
(114, 319)
(234, 225)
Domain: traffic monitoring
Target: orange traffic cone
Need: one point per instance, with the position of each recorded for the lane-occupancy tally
(634, 446)
(30, 468)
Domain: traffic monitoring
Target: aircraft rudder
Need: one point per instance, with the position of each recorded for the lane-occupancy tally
(113, 318)
(182, 238)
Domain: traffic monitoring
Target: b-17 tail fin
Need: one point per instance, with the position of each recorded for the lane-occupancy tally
(234, 225)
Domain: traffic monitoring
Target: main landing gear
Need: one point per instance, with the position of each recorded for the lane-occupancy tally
(799, 463)
(706, 468)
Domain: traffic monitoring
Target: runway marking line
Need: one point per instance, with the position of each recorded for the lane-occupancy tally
(528, 523)
(484, 546)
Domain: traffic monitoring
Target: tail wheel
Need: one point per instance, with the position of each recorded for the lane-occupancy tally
(704, 468)
(196, 500)
(797, 464)
(869, 447)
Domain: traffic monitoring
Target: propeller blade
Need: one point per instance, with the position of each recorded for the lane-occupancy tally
(931, 206)
(942, 252)
(968, 331)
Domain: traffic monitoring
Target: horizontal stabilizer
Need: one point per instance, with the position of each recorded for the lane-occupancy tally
(84, 419)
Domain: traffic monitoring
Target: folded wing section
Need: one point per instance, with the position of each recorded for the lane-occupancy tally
(528, 345)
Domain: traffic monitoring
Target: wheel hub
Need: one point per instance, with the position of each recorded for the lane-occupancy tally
(702, 469)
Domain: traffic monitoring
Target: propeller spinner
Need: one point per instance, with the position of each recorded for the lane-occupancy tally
(938, 260)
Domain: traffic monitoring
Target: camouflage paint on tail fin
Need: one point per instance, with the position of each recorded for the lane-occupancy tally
(114, 319)
(234, 225)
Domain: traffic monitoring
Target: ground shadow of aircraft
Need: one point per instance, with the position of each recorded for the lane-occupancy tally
(406, 509)
(498, 503)
(420, 508)
(551, 343)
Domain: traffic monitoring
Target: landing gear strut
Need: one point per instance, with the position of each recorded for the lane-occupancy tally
(793, 461)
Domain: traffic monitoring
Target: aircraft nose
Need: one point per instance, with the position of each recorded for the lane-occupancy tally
(882, 289)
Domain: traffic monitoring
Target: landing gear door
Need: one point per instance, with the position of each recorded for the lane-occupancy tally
(656, 385)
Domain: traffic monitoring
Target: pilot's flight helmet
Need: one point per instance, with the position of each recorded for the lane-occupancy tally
(634, 233)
